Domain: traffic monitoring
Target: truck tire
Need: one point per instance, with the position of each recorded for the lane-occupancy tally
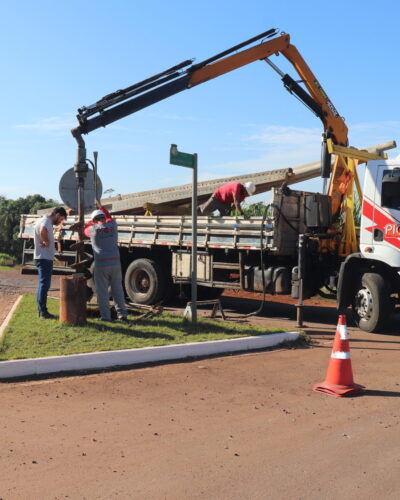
(145, 282)
(371, 303)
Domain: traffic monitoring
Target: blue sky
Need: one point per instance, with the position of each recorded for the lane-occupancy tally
(58, 56)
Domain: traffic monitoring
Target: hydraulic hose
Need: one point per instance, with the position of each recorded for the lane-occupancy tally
(262, 302)
(280, 214)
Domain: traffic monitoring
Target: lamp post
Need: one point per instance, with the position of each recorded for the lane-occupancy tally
(190, 161)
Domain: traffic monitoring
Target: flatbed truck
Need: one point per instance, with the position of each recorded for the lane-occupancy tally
(304, 240)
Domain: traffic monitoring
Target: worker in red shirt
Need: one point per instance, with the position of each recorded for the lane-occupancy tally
(227, 197)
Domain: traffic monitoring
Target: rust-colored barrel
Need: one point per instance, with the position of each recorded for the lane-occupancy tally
(73, 299)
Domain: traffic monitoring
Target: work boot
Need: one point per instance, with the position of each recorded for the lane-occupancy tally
(46, 315)
(122, 318)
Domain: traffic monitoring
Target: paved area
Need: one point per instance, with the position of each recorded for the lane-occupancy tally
(235, 427)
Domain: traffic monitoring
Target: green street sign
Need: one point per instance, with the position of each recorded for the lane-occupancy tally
(181, 159)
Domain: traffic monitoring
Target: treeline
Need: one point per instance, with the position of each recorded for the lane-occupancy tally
(254, 209)
(10, 212)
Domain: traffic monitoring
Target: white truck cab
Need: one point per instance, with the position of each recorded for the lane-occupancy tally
(369, 281)
(380, 215)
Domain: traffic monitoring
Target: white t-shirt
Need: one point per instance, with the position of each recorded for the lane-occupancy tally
(44, 252)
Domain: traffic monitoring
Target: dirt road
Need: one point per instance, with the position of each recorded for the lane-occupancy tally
(236, 427)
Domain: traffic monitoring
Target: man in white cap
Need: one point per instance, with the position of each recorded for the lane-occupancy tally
(227, 197)
(103, 233)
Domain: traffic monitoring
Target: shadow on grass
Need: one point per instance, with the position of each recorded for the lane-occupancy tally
(126, 330)
(210, 327)
(140, 329)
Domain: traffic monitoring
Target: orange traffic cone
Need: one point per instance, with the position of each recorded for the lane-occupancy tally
(339, 377)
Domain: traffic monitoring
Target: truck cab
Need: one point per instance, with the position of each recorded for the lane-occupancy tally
(380, 219)
(369, 280)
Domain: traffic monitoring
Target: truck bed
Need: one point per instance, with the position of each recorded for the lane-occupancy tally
(278, 233)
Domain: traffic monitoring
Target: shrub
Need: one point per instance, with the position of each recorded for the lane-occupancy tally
(6, 260)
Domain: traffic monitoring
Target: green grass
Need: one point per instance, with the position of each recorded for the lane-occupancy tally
(7, 268)
(27, 336)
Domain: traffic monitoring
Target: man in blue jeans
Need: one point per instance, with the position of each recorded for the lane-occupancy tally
(44, 256)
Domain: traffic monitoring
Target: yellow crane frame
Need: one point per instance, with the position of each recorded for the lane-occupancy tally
(341, 190)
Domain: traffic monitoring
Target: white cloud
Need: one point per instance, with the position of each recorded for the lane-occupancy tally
(380, 126)
(114, 126)
(363, 135)
(119, 146)
(170, 116)
(286, 146)
(287, 136)
(14, 191)
(54, 125)
(270, 161)
(279, 140)
(274, 147)
(208, 176)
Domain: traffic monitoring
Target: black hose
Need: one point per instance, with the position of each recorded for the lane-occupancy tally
(262, 302)
(280, 214)
(283, 217)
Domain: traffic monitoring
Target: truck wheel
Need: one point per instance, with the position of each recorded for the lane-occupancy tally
(371, 303)
(145, 282)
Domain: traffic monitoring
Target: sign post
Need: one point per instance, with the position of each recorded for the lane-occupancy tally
(190, 161)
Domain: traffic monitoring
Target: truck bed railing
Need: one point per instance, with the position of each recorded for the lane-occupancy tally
(278, 233)
(212, 232)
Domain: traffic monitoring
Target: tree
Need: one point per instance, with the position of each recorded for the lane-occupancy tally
(10, 212)
(254, 209)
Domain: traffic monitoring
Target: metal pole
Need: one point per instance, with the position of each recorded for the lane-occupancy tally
(95, 155)
(299, 305)
(194, 241)
(190, 161)
(81, 170)
(325, 186)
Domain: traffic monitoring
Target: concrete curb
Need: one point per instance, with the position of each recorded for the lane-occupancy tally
(126, 357)
(9, 316)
